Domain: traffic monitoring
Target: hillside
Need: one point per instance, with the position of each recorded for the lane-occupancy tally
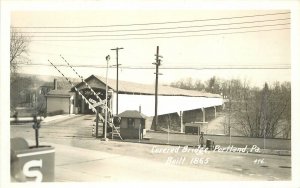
(47, 80)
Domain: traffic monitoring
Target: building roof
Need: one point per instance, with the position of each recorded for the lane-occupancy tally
(138, 88)
(59, 93)
(47, 84)
(132, 114)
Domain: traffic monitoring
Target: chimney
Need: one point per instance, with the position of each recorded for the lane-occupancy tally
(140, 109)
(55, 84)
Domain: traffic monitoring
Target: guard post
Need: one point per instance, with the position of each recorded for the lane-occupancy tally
(31, 163)
(200, 133)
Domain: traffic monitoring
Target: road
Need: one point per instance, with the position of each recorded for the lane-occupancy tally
(81, 157)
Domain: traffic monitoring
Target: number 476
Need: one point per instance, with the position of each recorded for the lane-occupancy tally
(258, 161)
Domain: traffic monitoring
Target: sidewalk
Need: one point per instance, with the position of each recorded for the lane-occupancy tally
(59, 117)
(78, 165)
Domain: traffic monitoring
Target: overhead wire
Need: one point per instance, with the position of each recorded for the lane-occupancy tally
(160, 37)
(158, 23)
(49, 53)
(184, 36)
(153, 29)
(278, 66)
(169, 34)
(158, 33)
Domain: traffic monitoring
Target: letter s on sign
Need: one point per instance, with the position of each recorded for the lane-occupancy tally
(33, 173)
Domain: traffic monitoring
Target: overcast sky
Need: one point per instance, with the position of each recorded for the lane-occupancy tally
(260, 42)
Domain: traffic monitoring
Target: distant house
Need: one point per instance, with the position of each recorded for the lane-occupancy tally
(59, 101)
(45, 88)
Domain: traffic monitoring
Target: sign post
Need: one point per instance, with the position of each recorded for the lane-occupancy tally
(31, 163)
(200, 136)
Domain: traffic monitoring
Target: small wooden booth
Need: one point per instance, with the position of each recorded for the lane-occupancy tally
(132, 124)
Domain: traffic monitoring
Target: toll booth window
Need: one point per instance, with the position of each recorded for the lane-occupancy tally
(137, 123)
(130, 123)
(124, 124)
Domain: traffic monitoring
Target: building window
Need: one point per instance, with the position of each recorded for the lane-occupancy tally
(130, 123)
(124, 124)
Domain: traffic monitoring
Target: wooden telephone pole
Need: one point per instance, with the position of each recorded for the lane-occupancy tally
(117, 86)
(157, 64)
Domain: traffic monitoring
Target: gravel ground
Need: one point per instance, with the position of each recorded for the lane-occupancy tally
(76, 132)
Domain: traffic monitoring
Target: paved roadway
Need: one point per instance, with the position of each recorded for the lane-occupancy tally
(80, 157)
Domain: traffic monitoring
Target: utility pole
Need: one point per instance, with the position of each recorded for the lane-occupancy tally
(106, 88)
(117, 87)
(97, 122)
(157, 64)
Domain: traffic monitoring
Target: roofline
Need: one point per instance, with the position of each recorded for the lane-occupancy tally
(148, 93)
(88, 78)
(138, 93)
(142, 116)
(61, 96)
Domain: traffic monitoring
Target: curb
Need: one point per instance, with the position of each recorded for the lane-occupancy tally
(276, 152)
(58, 117)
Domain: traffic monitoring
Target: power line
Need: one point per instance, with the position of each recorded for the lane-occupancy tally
(67, 46)
(189, 64)
(49, 53)
(153, 29)
(159, 33)
(40, 42)
(158, 23)
(162, 37)
(225, 67)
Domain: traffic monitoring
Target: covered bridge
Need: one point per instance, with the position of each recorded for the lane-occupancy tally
(178, 106)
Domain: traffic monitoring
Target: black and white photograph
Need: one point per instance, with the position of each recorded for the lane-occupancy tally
(119, 93)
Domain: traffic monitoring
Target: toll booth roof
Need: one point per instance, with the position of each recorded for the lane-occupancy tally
(132, 114)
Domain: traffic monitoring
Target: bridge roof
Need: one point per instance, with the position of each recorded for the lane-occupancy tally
(148, 89)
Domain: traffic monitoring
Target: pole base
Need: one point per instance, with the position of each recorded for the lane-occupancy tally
(104, 139)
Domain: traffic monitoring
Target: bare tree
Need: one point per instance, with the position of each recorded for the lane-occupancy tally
(250, 111)
(21, 90)
(213, 85)
(184, 84)
(278, 120)
(199, 85)
(262, 112)
(19, 46)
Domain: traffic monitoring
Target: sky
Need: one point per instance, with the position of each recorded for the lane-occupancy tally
(199, 57)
